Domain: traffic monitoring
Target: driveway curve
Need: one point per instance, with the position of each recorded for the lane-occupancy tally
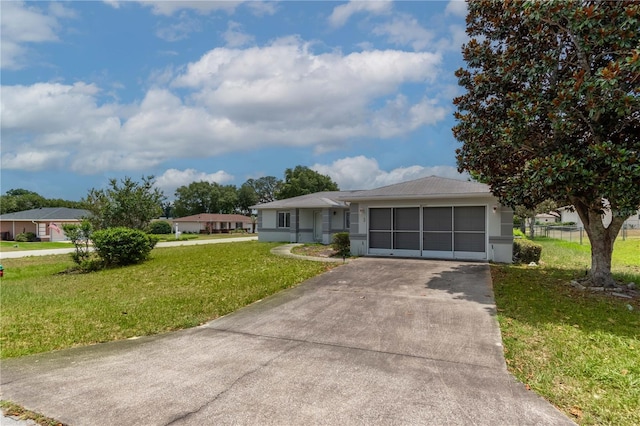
(374, 341)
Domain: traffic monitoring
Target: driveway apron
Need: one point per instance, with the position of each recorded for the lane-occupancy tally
(375, 341)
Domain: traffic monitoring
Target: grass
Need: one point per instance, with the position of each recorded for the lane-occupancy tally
(15, 410)
(579, 350)
(36, 245)
(44, 309)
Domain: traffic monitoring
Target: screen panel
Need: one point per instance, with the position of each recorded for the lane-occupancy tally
(437, 219)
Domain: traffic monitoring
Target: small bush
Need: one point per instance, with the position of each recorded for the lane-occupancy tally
(526, 251)
(341, 244)
(26, 237)
(160, 227)
(123, 246)
(518, 233)
(80, 236)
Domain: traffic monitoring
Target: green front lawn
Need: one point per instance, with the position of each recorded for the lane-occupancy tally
(36, 245)
(579, 350)
(44, 308)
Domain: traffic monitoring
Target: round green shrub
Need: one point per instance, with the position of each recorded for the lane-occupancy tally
(341, 244)
(123, 246)
(526, 251)
(25, 237)
(160, 227)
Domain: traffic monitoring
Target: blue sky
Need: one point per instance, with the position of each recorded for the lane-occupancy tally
(226, 91)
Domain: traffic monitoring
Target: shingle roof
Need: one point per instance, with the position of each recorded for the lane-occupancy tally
(431, 186)
(47, 213)
(317, 200)
(214, 217)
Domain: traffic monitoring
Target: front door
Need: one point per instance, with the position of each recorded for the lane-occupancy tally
(317, 226)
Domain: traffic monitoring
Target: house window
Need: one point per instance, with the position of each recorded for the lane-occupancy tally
(347, 220)
(284, 219)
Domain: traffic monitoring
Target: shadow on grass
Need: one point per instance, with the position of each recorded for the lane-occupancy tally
(543, 295)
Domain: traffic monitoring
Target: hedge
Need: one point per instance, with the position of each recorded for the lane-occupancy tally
(526, 251)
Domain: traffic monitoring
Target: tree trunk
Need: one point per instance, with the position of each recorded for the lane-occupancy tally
(602, 239)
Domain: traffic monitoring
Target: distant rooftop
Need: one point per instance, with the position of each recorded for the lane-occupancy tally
(47, 213)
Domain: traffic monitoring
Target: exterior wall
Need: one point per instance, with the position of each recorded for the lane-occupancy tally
(191, 227)
(501, 247)
(267, 227)
(358, 239)
(303, 225)
(40, 228)
(17, 227)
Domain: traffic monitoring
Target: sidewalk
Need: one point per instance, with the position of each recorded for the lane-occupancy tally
(27, 253)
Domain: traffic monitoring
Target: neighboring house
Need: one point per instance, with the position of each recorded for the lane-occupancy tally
(432, 217)
(45, 222)
(304, 219)
(212, 223)
(546, 218)
(568, 214)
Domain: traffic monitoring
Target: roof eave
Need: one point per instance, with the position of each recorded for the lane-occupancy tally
(420, 197)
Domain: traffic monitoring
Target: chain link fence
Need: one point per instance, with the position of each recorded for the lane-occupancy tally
(575, 233)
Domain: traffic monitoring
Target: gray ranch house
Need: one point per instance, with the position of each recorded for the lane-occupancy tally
(304, 219)
(432, 217)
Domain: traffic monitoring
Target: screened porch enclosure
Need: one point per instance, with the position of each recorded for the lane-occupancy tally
(438, 232)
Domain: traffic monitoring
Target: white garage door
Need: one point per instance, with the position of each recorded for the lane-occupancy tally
(440, 232)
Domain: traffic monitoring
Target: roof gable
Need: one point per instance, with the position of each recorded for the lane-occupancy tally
(317, 200)
(430, 186)
(214, 217)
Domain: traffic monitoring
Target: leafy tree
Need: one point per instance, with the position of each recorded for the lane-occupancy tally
(552, 109)
(127, 204)
(228, 200)
(265, 188)
(17, 200)
(302, 180)
(205, 197)
(247, 197)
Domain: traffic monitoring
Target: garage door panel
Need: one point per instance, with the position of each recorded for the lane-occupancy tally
(380, 219)
(471, 242)
(437, 241)
(379, 239)
(406, 219)
(407, 240)
(437, 219)
(470, 218)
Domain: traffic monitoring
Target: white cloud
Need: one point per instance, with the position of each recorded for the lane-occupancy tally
(235, 37)
(457, 8)
(168, 8)
(22, 25)
(364, 173)
(342, 13)
(179, 30)
(172, 179)
(231, 100)
(33, 160)
(405, 30)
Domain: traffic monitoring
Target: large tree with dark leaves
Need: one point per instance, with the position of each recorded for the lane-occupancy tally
(302, 181)
(552, 109)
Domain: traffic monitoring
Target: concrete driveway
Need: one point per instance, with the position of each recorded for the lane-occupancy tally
(375, 341)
